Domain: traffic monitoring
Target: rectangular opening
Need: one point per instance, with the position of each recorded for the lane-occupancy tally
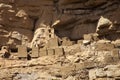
(50, 35)
(49, 31)
(14, 50)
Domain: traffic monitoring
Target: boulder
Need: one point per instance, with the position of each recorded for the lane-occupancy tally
(86, 42)
(92, 74)
(104, 26)
(104, 46)
(88, 37)
(100, 73)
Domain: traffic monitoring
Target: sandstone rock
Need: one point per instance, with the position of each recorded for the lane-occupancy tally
(80, 41)
(112, 70)
(102, 56)
(105, 79)
(79, 66)
(100, 73)
(104, 46)
(68, 70)
(110, 73)
(21, 13)
(2, 5)
(77, 60)
(111, 67)
(108, 59)
(71, 58)
(117, 43)
(104, 24)
(92, 74)
(21, 21)
(32, 3)
(89, 65)
(104, 41)
(86, 42)
(70, 78)
(117, 73)
(16, 35)
(66, 15)
(88, 37)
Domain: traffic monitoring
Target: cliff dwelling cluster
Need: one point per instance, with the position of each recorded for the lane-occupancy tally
(60, 39)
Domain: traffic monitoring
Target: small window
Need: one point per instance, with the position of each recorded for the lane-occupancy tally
(50, 35)
(49, 31)
(14, 50)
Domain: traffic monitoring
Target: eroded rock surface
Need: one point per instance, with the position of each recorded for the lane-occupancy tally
(76, 39)
(76, 17)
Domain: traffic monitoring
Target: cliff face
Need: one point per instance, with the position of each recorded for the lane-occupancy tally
(19, 19)
(85, 15)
